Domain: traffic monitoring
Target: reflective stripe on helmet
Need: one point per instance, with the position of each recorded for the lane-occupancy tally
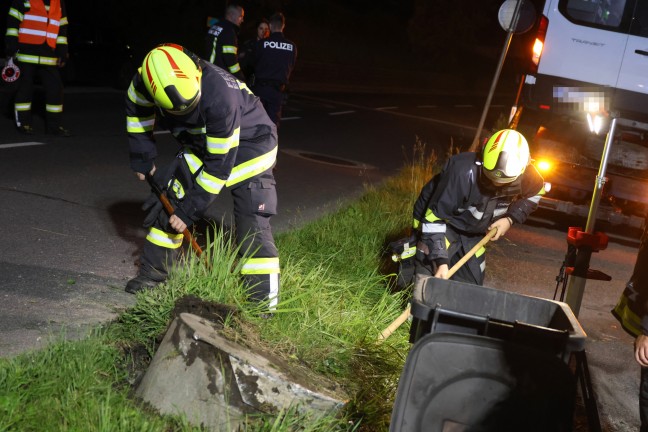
(172, 78)
(505, 156)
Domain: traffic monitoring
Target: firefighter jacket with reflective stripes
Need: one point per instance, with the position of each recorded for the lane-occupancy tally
(227, 139)
(222, 47)
(632, 308)
(273, 60)
(37, 31)
(460, 198)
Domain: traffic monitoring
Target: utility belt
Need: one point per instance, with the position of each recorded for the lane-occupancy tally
(278, 85)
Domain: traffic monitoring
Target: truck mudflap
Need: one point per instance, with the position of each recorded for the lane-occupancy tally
(604, 213)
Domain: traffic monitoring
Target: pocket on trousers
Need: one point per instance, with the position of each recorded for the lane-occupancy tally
(263, 197)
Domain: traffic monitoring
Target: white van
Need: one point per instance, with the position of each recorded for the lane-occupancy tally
(589, 59)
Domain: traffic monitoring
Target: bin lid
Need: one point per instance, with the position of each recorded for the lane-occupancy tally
(461, 382)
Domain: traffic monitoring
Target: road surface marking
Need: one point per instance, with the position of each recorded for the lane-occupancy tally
(427, 106)
(463, 106)
(23, 144)
(290, 118)
(399, 114)
(341, 112)
(386, 108)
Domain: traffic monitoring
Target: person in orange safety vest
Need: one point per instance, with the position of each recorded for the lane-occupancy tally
(37, 39)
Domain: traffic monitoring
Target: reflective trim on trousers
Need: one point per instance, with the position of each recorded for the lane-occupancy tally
(261, 266)
(54, 108)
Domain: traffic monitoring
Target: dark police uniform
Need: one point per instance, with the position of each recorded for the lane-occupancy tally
(273, 59)
(228, 141)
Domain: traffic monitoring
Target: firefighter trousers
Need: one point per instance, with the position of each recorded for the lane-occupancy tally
(255, 202)
(51, 79)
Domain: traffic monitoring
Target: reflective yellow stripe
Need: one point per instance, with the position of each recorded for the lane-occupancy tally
(64, 21)
(163, 239)
(137, 98)
(193, 161)
(431, 217)
(239, 173)
(210, 183)
(223, 145)
(22, 106)
(416, 223)
(12, 32)
(480, 252)
(140, 124)
(16, 14)
(260, 266)
(49, 61)
(235, 68)
(54, 108)
(244, 86)
(61, 40)
(230, 49)
(629, 319)
(252, 167)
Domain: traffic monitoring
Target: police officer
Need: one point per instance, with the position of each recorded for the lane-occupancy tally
(274, 60)
(227, 140)
(222, 41)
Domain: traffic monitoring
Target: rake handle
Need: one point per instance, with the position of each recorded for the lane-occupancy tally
(168, 208)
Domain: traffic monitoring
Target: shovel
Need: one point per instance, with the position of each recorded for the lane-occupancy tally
(406, 314)
(168, 208)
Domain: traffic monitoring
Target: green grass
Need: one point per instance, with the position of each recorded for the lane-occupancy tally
(336, 297)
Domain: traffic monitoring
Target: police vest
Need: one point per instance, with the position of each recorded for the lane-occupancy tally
(39, 25)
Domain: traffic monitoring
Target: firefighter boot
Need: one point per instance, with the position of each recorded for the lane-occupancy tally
(140, 283)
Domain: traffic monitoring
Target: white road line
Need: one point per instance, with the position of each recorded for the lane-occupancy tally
(290, 118)
(427, 106)
(341, 112)
(386, 108)
(23, 144)
(399, 114)
(463, 106)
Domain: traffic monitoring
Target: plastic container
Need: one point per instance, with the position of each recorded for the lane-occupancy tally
(456, 307)
(487, 360)
(455, 382)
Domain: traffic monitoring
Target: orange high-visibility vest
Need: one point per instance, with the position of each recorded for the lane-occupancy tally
(39, 25)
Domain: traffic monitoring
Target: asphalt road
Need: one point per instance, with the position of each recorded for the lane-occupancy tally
(71, 217)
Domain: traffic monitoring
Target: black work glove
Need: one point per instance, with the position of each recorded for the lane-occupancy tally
(153, 207)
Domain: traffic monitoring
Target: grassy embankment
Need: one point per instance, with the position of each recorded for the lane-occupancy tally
(336, 298)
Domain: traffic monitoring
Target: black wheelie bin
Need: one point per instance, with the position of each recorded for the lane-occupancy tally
(487, 360)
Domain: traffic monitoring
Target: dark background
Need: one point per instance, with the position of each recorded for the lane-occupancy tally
(350, 37)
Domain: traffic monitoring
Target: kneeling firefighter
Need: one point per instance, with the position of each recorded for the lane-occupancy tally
(227, 140)
(474, 193)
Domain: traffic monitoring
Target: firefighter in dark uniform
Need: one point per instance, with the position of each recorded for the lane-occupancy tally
(632, 313)
(227, 140)
(474, 193)
(37, 38)
(222, 41)
(273, 61)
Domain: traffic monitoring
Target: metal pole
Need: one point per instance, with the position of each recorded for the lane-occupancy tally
(576, 283)
(507, 44)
